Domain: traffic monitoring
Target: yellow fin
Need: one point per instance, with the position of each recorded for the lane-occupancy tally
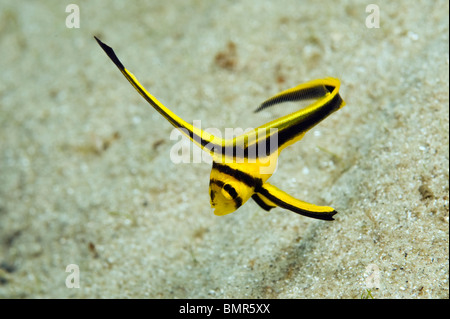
(279, 198)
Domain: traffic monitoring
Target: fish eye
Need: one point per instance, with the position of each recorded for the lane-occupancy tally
(229, 192)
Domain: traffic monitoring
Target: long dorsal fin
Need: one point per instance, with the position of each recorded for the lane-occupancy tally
(203, 139)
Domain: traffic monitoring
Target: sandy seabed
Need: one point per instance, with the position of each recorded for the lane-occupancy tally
(86, 177)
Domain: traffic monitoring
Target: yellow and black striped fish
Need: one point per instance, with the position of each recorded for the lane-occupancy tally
(242, 165)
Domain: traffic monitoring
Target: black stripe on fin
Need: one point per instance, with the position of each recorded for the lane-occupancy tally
(305, 94)
(110, 52)
(312, 214)
(261, 203)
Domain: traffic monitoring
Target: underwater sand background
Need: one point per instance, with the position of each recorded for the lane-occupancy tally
(85, 170)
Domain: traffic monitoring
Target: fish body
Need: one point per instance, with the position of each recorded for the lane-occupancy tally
(242, 165)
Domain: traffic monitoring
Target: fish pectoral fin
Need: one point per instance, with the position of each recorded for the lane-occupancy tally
(263, 202)
(271, 195)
